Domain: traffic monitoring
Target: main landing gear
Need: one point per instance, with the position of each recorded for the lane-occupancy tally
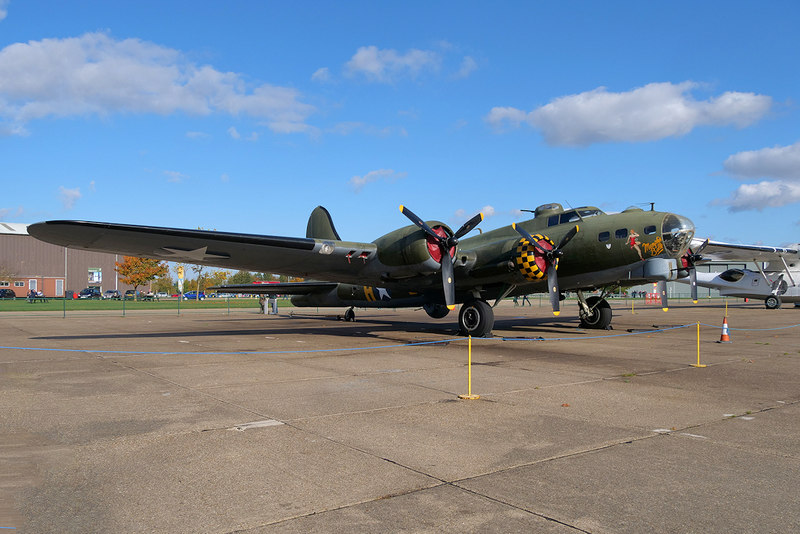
(350, 315)
(476, 318)
(594, 312)
(772, 302)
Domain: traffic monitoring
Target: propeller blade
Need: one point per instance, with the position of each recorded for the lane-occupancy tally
(693, 283)
(701, 247)
(448, 283)
(468, 226)
(662, 290)
(567, 238)
(552, 288)
(419, 222)
(521, 231)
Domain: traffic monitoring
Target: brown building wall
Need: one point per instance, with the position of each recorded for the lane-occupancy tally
(30, 259)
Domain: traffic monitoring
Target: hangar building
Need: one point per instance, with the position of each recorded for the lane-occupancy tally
(27, 263)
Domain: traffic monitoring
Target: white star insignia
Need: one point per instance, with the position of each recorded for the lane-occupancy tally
(383, 292)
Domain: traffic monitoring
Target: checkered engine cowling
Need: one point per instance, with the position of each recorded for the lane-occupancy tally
(530, 261)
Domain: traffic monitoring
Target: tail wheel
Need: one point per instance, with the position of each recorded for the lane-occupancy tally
(476, 318)
(772, 302)
(599, 316)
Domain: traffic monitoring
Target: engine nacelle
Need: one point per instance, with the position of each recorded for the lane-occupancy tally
(409, 251)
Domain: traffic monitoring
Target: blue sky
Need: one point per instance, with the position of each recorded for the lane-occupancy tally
(244, 116)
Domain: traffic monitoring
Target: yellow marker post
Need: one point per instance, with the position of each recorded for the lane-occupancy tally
(469, 395)
(698, 364)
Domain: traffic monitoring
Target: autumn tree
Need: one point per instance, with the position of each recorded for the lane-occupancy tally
(164, 283)
(6, 274)
(217, 278)
(138, 271)
(241, 277)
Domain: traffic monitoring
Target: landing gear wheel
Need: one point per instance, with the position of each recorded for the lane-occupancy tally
(436, 311)
(772, 302)
(350, 315)
(600, 316)
(476, 318)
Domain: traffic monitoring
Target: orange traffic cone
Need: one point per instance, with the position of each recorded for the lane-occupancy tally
(724, 338)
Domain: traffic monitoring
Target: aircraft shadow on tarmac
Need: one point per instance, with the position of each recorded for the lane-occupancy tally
(364, 328)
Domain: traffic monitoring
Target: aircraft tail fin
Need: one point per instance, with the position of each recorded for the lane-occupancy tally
(320, 225)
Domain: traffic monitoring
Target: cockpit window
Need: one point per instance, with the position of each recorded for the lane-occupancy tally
(676, 232)
(573, 216)
(732, 275)
(569, 216)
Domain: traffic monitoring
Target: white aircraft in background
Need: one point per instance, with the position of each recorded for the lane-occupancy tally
(775, 281)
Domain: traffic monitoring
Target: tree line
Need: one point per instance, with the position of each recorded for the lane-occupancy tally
(156, 275)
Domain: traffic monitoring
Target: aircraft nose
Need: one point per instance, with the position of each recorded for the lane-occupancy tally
(676, 232)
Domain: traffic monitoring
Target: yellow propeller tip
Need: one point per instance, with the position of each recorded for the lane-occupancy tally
(694, 301)
(557, 313)
(401, 207)
(514, 226)
(665, 309)
(453, 307)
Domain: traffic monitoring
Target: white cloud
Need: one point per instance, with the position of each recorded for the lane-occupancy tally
(11, 213)
(3, 9)
(358, 182)
(386, 65)
(782, 163)
(175, 176)
(96, 74)
(468, 66)
(92, 186)
(196, 135)
(234, 133)
(462, 215)
(321, 75)
(767, 194)
(69, 197)
(648, 113)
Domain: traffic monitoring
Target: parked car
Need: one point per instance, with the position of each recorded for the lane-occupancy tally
(130, 294)
(192, 295)
(90, 293)
(161, 295)
(112, 294)
(7, 294)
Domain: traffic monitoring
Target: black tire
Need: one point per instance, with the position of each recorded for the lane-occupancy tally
(476, 318)
(435, 311)
(772, 302)
(349, 315)
(599, 318)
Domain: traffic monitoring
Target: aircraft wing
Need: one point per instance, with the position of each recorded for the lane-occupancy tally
(304, 257)
(719, 251)
(282, 288)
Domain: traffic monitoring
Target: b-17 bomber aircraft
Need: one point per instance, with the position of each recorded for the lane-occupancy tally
(427, 264)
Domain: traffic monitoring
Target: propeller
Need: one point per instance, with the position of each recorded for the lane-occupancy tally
(689, 260)
(551, 257)
(446, 243)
